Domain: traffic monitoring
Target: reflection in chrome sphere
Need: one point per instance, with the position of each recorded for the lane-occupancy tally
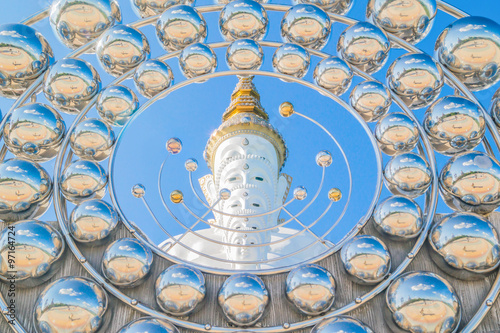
(396, 133)
(398, 218)
(324, 158)
(469, 47)
(471, 182)
(82, 180)
(152, 77)
(191, 164)
(149, 325)
(306, 25)
(333, 74)
(92, 221)
(341, 324)
(121, 48)
(77, 22)
(454, 124)
(174, 146)
(364, 46)
(197, 59)
(340, 7)
(416, 78)
(70, 84)
(24, 55)
(138, 191)
(407, 174)
(244, 54)
(300, 193)
(422, 302)
(311, 289)
(410, 20)
(92, 139)
(39, 248)
(366, 259)
(243, 19)
(25, 189)
(291, 59)
(71, 304)
(180, 26)
(126, 262)
(495, 108)
(180, 289)
(465, 246)
(116, 104)
(243, 298)
(371, 99)
(34, 131)
(147, 8)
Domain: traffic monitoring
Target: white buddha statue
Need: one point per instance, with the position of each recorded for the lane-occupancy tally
(245, 155)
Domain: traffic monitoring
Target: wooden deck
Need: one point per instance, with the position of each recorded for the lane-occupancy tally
(279, 311)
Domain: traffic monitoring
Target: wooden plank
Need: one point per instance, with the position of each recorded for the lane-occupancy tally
(279, 311)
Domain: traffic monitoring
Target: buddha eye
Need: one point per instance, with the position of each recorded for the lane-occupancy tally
(234, 179)
(260, 179)
(256, 205)
(254, 228)
(235, 205)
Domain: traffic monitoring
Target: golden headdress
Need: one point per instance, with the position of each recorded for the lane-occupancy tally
(245, 115)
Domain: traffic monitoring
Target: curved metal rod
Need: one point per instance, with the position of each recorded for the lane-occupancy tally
(38, 16)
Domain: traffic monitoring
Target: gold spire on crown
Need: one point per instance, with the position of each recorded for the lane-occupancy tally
(245, 98)
(245, 115)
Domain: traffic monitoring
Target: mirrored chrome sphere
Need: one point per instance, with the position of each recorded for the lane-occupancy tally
(334, 194)
(340, 7)
(324, 158)
(422, 302)
(82, 180)
(465, 245)
(225, 194)
(77, 22)
(24, 55)
(152, 77)
(243, 299)
(149, 325)
(138, 190)
(410, 20)
(121, 48)
(176, 196)
(70, 84)
(127, 262)
(243, 19)
(34, 131)
(396, 133)
(306, 25)
(71, 304)
(197, 59)
(469, 48)
(191, 164)
(180, 26)
(147, 8)
(341, 324)
(180, 289)
(398, 218)
(366, 259)
(371, 99)
(286, 109)
(291, 59)
(407, 174)
(333, 74)
(174, 146)
(454, 124)
(92, 221)
(416, 78)
(92, 139)
(311, 289)
(25, 190)
(116, 104)
(495, 108)
(364, 46)
(244, 54)
(471, 182)
(300, 193)
(38, 251)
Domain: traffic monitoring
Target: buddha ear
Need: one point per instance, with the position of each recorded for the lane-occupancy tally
(284, 183)
(207, 185)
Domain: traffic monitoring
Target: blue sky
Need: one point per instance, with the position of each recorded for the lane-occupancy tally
(191, 114)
